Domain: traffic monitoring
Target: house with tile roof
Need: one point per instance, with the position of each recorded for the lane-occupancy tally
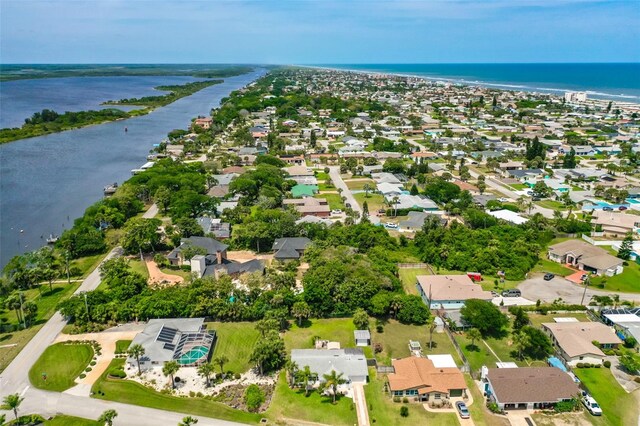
(418, 378)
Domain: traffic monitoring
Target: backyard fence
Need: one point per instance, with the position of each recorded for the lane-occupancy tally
(416, 266)
(466, 367)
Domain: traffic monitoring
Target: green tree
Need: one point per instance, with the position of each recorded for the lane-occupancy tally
(12, 402)
(332, 381)
(304, 376)
(162, 198)
(485, 316)
(630, 362)
(169, 369)
(569, 160)
(626, 247)
(269, 353)
(292, 368)
(539, 345)
(107, 417)
(541, 190)
(414, 190)
(366, 188)
(474, 334)
(141, 235)
(136, 351)
(365, 209)
(520, 318)
(431, 325)
(220, 361)
(361, 319)
(301, 311)
(520, 343)
(206, 370)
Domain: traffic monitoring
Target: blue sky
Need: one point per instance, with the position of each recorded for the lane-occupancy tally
(319, 31)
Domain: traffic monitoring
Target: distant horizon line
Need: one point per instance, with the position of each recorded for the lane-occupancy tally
(319, 64)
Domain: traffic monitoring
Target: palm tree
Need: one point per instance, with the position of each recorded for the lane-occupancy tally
(220, 361)
(169, 369)
(395, 206)
(136, 351)
(107, 417)
(431, 324)
(366, 188)
(332, 381)
(291, 367)
(395, 305)
(205, 370)
(520, 341)
(474, 334)
(188, 421)
(12, 402)
(304, 376)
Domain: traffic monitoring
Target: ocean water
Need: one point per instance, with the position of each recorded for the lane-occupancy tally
(619, 82)
(19, 99)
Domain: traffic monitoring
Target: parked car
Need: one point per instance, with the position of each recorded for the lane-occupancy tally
(336, 212)
(382, 211)
(607, 209)
(512, 292)
(591, 405)
(584, 277)
(391, 225)
(503, 199)
(548, 276)
(536, 199)
(462, 409)
(529, 192)
(622, 208)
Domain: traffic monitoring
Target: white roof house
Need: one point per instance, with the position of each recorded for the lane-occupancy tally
(508, 215)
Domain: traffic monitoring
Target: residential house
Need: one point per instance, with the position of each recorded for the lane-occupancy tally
(220, 230)
(626, 321)
(415, 221)
(528, 388)
(214, 249)
(309, 206)
(204, 122)
(508, 216)
(185, 340)
(527, 176)
(582, 342)
(420, 379)
(449, 291)
(290, 248)
(350, 362)
(584, 256)
(422, 157)
(615, 223)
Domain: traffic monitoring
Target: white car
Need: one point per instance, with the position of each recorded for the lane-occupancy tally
(591, 405)
(503, 199)
(336, 212)
(391, 225)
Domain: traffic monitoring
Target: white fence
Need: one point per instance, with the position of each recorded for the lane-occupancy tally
(600, 242)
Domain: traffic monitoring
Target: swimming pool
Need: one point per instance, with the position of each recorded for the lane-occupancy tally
(632, 201)
(193, 355)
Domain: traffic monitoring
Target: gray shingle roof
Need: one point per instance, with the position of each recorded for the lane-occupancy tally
(350, 362)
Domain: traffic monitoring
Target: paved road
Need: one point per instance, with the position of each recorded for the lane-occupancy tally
(152, 212)
(334, 173)
(536, 287)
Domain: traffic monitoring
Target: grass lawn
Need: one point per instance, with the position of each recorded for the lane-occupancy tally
(519, 186)
(545, 265)
(375, 201)
(628, 281)
(395, 341)
(334, 200)
(359, 184)
(293, 404)
(235, 340)
(383, 411)
(62, 420)
(618, 406)
(538, 319)
(122, 346)
(408, 277)
(87, 264)
(179, 272)
(46, 302)
(334, 329)
(63, 364)
(479, 413)
(138, 266)
(551, 204)
(130, 392)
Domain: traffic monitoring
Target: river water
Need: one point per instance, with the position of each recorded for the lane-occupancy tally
(48, 181)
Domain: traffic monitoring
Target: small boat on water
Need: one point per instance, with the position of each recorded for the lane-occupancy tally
(111, 189)
(126, 130)
(52, 239)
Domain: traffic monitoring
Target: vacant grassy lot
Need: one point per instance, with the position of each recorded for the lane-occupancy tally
(618, 406)
(383, 411)
(63, 420)
(129, 392)
(374, 201)
(46, 302)
(360, 183)
(293, 404)
(408, 277)
(235, 341)
(62, 364)
(334, 329)
(334, 200)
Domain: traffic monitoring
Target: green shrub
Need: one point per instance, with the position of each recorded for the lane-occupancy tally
(580, 365)
(117, 373)
(396, 399)
(82, 376)
(566, 406)
(88, 369)
(607, 364)
(404, 411)
(92, 363)
(253, 397)
(493, 407)
(405, 400)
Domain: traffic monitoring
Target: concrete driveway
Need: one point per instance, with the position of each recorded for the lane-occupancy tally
(536, 287)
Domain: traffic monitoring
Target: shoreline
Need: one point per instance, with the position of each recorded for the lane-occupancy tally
(620, 99)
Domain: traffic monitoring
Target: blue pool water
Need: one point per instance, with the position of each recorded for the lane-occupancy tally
(632, 201)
